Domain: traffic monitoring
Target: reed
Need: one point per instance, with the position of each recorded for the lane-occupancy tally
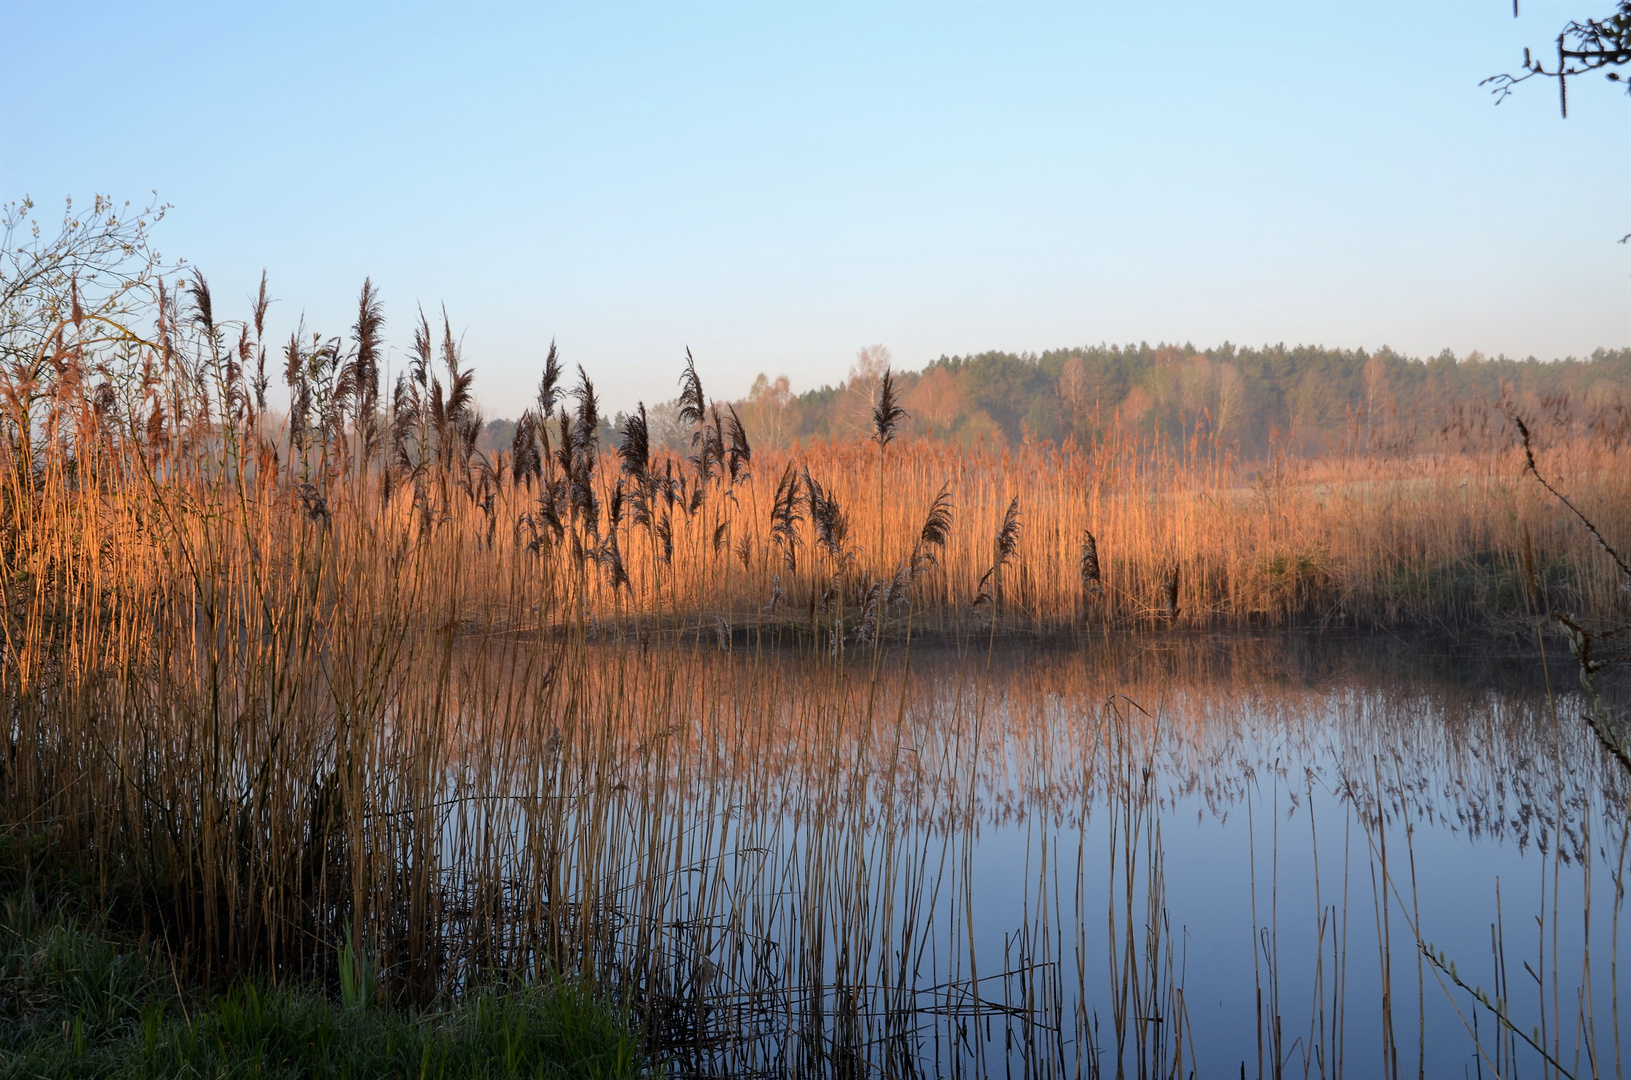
(333, 686)
(1117, 536)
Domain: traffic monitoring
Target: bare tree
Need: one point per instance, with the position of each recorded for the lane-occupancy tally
(770, 402)
(70, 303)
(861, 390)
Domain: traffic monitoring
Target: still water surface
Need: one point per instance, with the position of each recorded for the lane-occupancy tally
(1159, 857)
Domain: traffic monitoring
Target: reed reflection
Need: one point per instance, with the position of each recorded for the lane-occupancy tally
(897, 866)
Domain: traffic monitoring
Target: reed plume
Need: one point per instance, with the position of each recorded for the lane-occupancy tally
(549, 384)
(930, 546)
(830, 521)
(737, 449)
(526, 464)
(1092, 581)
(635, 449)
(258, 319)
(587, 427)
(785, 516)
(693, 405)
(362, 370)
(1006, 543)
(887, 413)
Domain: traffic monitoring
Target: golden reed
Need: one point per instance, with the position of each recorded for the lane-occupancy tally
(285, 686)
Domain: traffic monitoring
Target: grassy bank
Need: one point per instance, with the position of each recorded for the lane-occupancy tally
(82, 998)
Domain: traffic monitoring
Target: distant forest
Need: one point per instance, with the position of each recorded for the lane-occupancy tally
(1306, 399)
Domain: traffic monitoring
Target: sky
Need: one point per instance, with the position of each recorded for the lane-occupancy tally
(776, 185)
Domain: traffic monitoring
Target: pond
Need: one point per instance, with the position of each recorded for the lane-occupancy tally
(1132, 856)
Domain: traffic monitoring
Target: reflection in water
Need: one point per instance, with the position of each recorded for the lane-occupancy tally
(1126, 858)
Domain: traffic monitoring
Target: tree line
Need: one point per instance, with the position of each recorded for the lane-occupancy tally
(1304, 399)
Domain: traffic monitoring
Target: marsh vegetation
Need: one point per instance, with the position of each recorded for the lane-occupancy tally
(881, 756)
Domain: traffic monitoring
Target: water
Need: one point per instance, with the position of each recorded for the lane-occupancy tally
(1149, 857)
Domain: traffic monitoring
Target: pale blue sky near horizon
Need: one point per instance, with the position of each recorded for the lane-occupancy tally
(776, 185)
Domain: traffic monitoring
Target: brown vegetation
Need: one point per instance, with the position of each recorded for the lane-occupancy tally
(290, 685)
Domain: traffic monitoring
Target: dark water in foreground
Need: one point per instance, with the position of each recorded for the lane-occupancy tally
(1162, 857)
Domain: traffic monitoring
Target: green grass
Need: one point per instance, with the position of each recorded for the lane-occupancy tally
(77, 1002)
(1483, 580)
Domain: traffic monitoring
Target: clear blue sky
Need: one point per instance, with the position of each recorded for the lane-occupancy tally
(776, 185)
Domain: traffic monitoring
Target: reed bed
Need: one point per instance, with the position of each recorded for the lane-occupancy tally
(298, 692)
(1201, 542)
(1122, 535)
(1117, 536)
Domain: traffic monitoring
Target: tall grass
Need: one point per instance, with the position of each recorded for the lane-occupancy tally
(324, 692)
(1435, 541)
(78, 1001)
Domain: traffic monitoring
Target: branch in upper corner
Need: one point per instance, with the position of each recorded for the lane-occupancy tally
(1582, 47)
